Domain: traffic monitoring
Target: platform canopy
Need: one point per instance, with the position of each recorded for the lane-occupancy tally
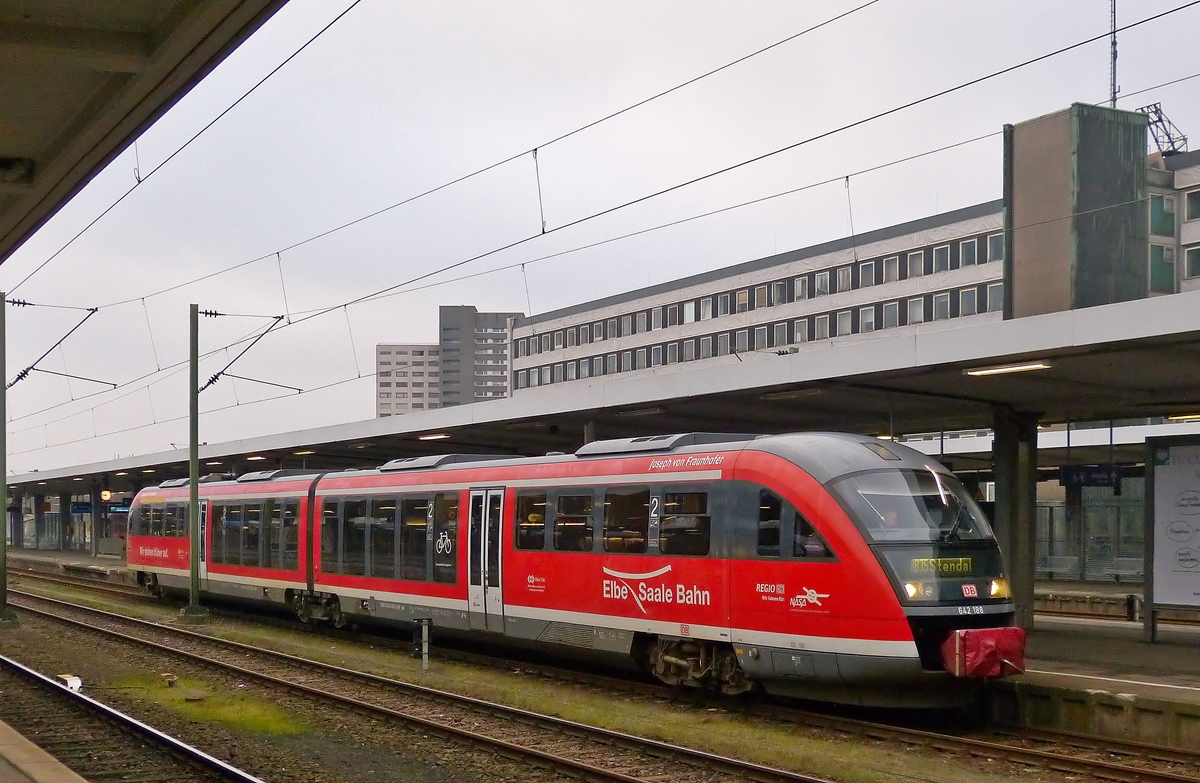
(80, 79)
(1130, 360)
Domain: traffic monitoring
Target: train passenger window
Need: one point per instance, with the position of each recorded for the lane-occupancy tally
(183, 515)
(383, 538)
(807, 542)
(626, 519)
(573, 523)
(216, 523)
(329, 537)
(415, 525)
(156, 520)
(686, 524)
(233, 535)
(770, 520)
(291, 534)
(354, 537)
(531, 520)
(272, 534)
(445, 538)
(252, 534)
(171, 521)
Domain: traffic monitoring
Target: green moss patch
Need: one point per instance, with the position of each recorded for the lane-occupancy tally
(202, 702)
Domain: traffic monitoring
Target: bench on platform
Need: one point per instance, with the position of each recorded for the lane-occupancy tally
(1060, 565)
(1125, 567)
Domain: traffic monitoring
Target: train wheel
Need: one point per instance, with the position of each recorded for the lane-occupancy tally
(698, 664)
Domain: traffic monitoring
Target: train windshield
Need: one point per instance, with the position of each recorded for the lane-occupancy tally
(914, 505)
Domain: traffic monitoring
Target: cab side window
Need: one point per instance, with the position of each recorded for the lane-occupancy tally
(807, 543)
(770, 523)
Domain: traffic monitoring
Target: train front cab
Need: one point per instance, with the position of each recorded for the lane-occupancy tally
(922, 562)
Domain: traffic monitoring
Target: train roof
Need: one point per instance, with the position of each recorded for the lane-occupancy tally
(823, 455)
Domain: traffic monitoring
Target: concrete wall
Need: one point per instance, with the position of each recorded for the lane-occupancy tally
(1042, 254)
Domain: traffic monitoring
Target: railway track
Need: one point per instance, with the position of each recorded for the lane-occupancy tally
(1086, 755)
(96, 741)
(563, 746)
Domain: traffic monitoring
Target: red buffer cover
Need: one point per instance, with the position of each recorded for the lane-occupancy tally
(984, 652)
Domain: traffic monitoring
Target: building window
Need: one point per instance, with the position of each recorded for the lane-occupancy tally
(1192, 255)
(705, 348)
(966, 253)
(558, 373)
(656, 318)
(626, 325)
(801, 287)
(641, 322)
(611, 331)
(1162, 269)
(844, 279)
(760, 296)
(673, 315)
(523, 348)
(385, 375)
(966, 302)
(845, 323)
(995, 303)
(741, 340)
(866, 319)
(689, 312)
(523, 379)
(585, 369)
(723, 344)
(640, 359)
(822, 284)
(821, 332)
(1193, 205)
(570, 371)
(597, 332)
(598, 365)
(995, 248)
(689, 350)
(800, 331)
(545, 343)
(385, 395)
(723, 305)
(742, 303)
(1162, 215)
(891, 269)
(611, 364)
(571, 338)
(916, 263)
(916, 310)
(385, 353)
(585, 335)
(780, 335)
(656, 356)
(941, 307)
(891, 315)
(545, 375)
(672, 353)
(705, 309)
(559, 341)
(866, 274)
(385, 384)
(778, 293)
(626, 361)
(941, 259)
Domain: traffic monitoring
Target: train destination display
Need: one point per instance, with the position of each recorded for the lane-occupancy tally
(1177, 525)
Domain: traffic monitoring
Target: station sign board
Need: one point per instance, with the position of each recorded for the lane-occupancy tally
(1090, 476)
(1172, 525)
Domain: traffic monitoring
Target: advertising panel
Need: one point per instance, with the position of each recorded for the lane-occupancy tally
(1176, 514)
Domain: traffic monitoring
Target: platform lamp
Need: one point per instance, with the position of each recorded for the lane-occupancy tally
(194, 612)
(8, 619)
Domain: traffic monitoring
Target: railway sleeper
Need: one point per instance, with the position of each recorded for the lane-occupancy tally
(312, 608)
(698, 664)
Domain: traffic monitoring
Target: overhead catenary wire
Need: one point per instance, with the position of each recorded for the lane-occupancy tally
(141, 179)
(23, 374)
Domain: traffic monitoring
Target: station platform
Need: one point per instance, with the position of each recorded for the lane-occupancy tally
(104, 567)
(23, 762)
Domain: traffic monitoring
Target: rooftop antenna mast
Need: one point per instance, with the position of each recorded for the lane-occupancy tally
(1163, 133)
(1112, 81)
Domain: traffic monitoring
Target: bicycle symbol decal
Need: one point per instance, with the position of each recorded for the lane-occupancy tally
(444, 545)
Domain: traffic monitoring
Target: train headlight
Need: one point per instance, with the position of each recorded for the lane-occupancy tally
(919, 591)
(1000, 588)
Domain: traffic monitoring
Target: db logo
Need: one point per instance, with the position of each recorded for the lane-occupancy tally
(970, 591)
(685, 630)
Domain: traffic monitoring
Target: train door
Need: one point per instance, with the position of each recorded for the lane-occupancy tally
(204, 545)
(484, 539)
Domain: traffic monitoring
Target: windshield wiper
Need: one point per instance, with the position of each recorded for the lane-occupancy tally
(958, 518)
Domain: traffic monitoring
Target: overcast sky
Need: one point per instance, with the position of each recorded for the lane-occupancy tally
(397, 98)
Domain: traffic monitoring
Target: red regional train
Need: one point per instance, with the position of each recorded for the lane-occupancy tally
(821, 565)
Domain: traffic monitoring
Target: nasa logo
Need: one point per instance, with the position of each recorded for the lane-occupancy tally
(807, 597)
(970, 591)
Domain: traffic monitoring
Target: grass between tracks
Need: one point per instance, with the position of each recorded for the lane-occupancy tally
(783, 745)
(202, 702)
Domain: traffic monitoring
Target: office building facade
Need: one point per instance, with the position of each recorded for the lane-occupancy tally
(475, 354)
(408, 377)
